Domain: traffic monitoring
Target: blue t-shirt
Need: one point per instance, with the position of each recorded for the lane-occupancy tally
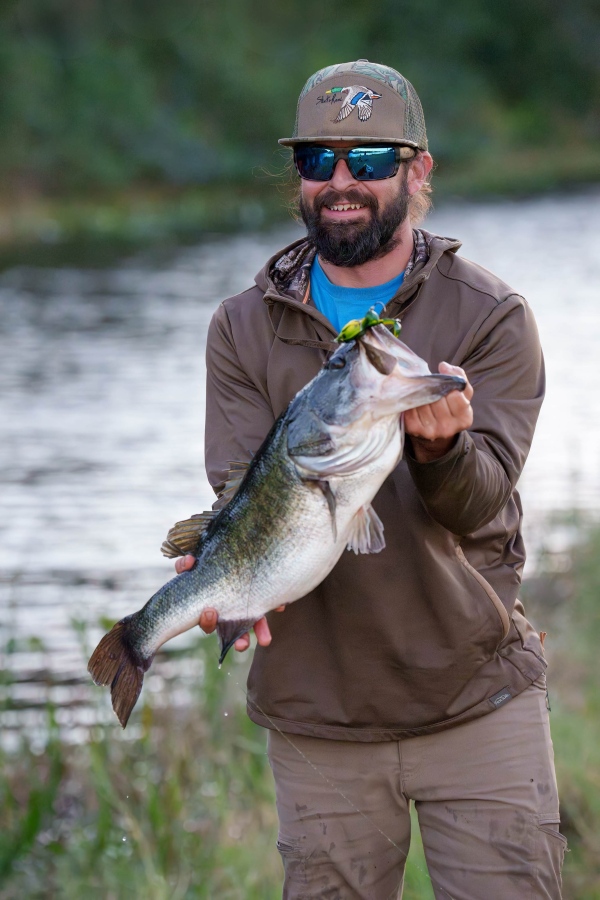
(340, 304)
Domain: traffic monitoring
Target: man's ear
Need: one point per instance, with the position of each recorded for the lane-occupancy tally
(419, 169)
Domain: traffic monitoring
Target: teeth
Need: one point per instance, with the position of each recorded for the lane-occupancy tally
(343, 207)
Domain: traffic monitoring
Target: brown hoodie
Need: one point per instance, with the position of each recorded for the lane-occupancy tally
(427, 633)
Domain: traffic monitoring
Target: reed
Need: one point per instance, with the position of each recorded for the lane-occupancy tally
(181, 805)
(566, 595)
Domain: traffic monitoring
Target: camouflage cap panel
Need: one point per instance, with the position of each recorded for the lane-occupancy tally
(359, 101)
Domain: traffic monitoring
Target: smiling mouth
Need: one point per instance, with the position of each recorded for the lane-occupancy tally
(344, 207)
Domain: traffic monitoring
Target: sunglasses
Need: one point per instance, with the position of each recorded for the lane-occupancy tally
(372, 163)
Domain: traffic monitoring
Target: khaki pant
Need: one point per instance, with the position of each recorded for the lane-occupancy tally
(485, 794)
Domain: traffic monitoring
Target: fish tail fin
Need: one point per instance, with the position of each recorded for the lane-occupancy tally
(115, 663)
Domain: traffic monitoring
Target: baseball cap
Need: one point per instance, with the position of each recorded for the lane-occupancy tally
(359, 101)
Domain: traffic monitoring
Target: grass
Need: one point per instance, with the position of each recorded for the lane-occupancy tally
(569, 582)
(181, 805)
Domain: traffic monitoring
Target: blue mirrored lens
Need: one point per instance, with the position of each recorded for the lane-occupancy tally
(314, 163)
(365, 163)
(372, 163)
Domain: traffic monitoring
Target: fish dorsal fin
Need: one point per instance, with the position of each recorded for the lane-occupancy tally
(185, 536)
(366, 534)
(235, 476)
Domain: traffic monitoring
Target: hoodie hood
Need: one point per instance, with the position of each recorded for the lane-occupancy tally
(287, 272)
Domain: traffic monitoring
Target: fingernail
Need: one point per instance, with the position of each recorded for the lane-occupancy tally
(211, 617)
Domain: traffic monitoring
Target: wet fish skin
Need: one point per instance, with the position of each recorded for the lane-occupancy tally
(305, 497)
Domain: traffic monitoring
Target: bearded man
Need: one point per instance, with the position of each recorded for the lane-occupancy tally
(413, 674)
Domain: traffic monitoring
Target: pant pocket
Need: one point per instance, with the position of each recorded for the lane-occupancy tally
(551, 825)
(550, 858)
(287, 848)
(295, 874)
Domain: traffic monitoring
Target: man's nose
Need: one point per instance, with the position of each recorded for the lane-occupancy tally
(342, 177)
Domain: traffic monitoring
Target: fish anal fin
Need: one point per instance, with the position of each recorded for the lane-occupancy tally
(185, 536)
(366, 534)
(229, 630)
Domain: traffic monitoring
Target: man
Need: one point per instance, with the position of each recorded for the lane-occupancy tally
(411, 674)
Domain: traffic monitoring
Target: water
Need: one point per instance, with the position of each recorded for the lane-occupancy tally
(102, 406)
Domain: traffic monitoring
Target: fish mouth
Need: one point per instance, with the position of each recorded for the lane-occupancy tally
(449, 383)
(419, 390)
(382, 338)
(390, 356)
(384, 362)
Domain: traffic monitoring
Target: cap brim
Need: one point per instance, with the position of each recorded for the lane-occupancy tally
(290, 142)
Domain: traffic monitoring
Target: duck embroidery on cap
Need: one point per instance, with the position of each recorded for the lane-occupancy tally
(357, 97)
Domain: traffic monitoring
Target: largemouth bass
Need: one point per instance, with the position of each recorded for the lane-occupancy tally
(305, 497)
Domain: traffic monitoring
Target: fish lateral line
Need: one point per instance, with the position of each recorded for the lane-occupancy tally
(318, 420)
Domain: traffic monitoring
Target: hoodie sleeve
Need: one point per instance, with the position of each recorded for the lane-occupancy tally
(238, 414)
(470, 485)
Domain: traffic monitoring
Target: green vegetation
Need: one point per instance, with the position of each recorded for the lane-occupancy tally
(112, 111)
(181, 804)
(566, 598)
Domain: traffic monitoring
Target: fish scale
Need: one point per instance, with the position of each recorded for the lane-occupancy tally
(305, 497)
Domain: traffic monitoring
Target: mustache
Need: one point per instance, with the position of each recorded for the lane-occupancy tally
(332, 198)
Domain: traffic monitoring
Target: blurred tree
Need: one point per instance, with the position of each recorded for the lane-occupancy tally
(101, 93)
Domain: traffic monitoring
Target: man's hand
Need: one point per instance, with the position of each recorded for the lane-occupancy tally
(433, 428)
(208, 618)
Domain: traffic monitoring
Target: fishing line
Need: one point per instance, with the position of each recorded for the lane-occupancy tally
(346, 799)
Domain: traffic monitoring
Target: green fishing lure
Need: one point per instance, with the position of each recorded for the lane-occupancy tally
(357, 327)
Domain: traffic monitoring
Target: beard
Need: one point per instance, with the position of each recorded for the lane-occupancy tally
(349, 244)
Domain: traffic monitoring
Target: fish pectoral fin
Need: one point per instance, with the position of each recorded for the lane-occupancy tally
(185, 536)
(229, 630)
(366, 534)
(323, 485)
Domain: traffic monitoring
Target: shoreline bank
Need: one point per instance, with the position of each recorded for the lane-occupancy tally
(99, 227)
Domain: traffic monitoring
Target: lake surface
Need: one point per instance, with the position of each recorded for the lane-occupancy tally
(102, 407)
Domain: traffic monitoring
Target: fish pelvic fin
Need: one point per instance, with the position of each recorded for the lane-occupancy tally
(114, 663)
(229, 630)
(366, 534)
